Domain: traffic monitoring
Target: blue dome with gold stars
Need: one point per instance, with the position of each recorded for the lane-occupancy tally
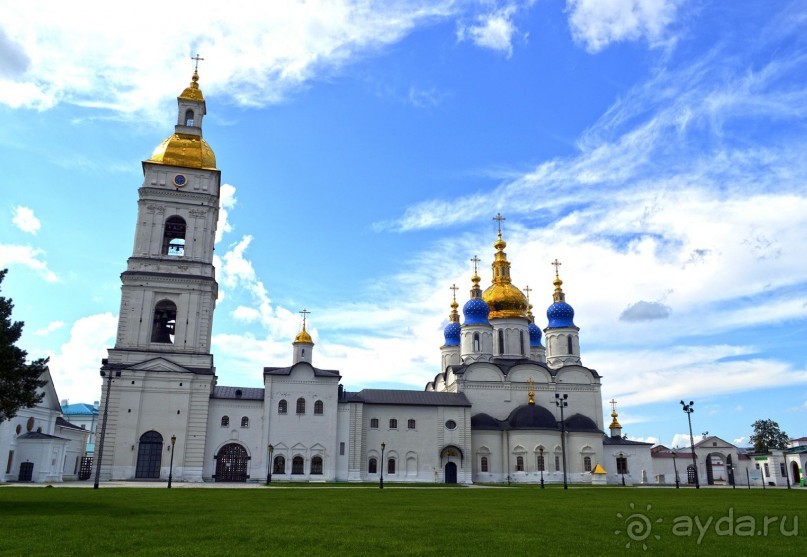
(535, 335)
(560, 314)
(476, 312)
(452, 334)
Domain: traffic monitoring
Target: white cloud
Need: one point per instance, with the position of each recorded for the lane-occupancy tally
(227, 202)
(682, 441)
(25, 220)
(493, 30)
(651, 439)
(740, 441)
(598, 23)
(253, 56)
(75, 368)
(52, 326)
(27, 256)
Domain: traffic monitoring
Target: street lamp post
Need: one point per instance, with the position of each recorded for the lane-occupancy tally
(787, 472)
(381, 481)
(108, 374)
(271, 449)
(675, 467)
(171, 468)
(688, 410)
(622, 467)
(542, 467)
(561, 402)
(732, 468)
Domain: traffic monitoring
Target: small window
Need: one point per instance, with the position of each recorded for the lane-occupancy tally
(476, 343)
(279, 465)
(622, 465)
(189, 117)
(372, 466)
(767, 470)
(318, 407)
(342, 448)
(174, 237)
(782, 469)
(316, 466)
(557, 463)
(374, 423)
(501, 341)
(521, 340)
(282, 407)
(587, 464)
(451, 424)
(540, 463)
(391, 466)
(238, 392)
(164, 323)
(297, 465)
(483, 464)
(244, 422)
(569, 345)
(393, 423)
(410, 424)
(225, 421)
(301, 405)
(519, 464)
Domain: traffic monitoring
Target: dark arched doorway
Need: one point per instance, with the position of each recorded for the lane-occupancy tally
(149, 455)
(231, 464)
(794, 467)
(451, 473)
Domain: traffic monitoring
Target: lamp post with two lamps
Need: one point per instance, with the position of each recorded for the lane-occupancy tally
(381, 480)
(171, 467)
(688, 409)
(561, 402)
(675, 467)
(541, 450)
(622, 463)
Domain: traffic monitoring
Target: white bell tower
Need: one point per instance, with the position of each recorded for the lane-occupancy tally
(161, 367)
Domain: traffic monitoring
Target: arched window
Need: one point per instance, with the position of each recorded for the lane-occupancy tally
(540, 463)
(297, 465)
(372, 466)
(301, 405)
(393, 423)
(587, 464)
(483, 464)
(244, 422)
(557, 464)
(501, 342)
(476, 342)
(319, 407)
(316, 465)
(282, 407)
(622, 465)
(279, 466)
(225, 421)
(174, 236)
(569, 344)
(374, 423)
(149, 455)
(519, 464)
(163, 328)
(391, 466)
(189, 117)
(521, 340)
(410, 424)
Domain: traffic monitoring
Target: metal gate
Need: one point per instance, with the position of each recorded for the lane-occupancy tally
(149, 455)
(26, 471)
(85, 469)
(231, 464)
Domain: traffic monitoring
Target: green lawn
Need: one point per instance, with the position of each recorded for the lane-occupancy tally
(399, 521)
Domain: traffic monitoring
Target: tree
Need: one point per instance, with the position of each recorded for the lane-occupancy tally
(19, 382)
(767, 436)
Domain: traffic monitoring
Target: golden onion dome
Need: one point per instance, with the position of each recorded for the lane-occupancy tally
(303, 337)
(182, 149)
(504, 299)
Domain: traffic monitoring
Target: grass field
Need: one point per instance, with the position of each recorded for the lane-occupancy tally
(401, 521)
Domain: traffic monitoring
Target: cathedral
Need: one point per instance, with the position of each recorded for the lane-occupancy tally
(503, 408)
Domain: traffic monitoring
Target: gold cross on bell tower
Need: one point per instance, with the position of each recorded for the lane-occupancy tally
(305, 313)
(556, 264)
(196, 58)
(475, 259)
(499, 218)
(454, 288)
(613, 405)
(531, 393)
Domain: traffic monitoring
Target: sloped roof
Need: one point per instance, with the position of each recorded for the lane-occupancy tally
(287, 370)
(246, 393)
(79, 409)
(61, 422)
(408, 398)
(608, 440)
(37, 435)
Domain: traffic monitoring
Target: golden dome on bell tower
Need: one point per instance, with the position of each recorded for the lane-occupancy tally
(503, 299)
(186, 147)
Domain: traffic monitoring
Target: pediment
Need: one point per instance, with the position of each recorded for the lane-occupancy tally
(159, 364)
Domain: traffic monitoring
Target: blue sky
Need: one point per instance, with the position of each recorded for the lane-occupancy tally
(655, 147)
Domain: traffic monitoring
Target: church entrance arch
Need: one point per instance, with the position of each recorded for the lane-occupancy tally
(715, 469)
(451, 473)
(149, 455)
(794, 466)
(231, 463)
